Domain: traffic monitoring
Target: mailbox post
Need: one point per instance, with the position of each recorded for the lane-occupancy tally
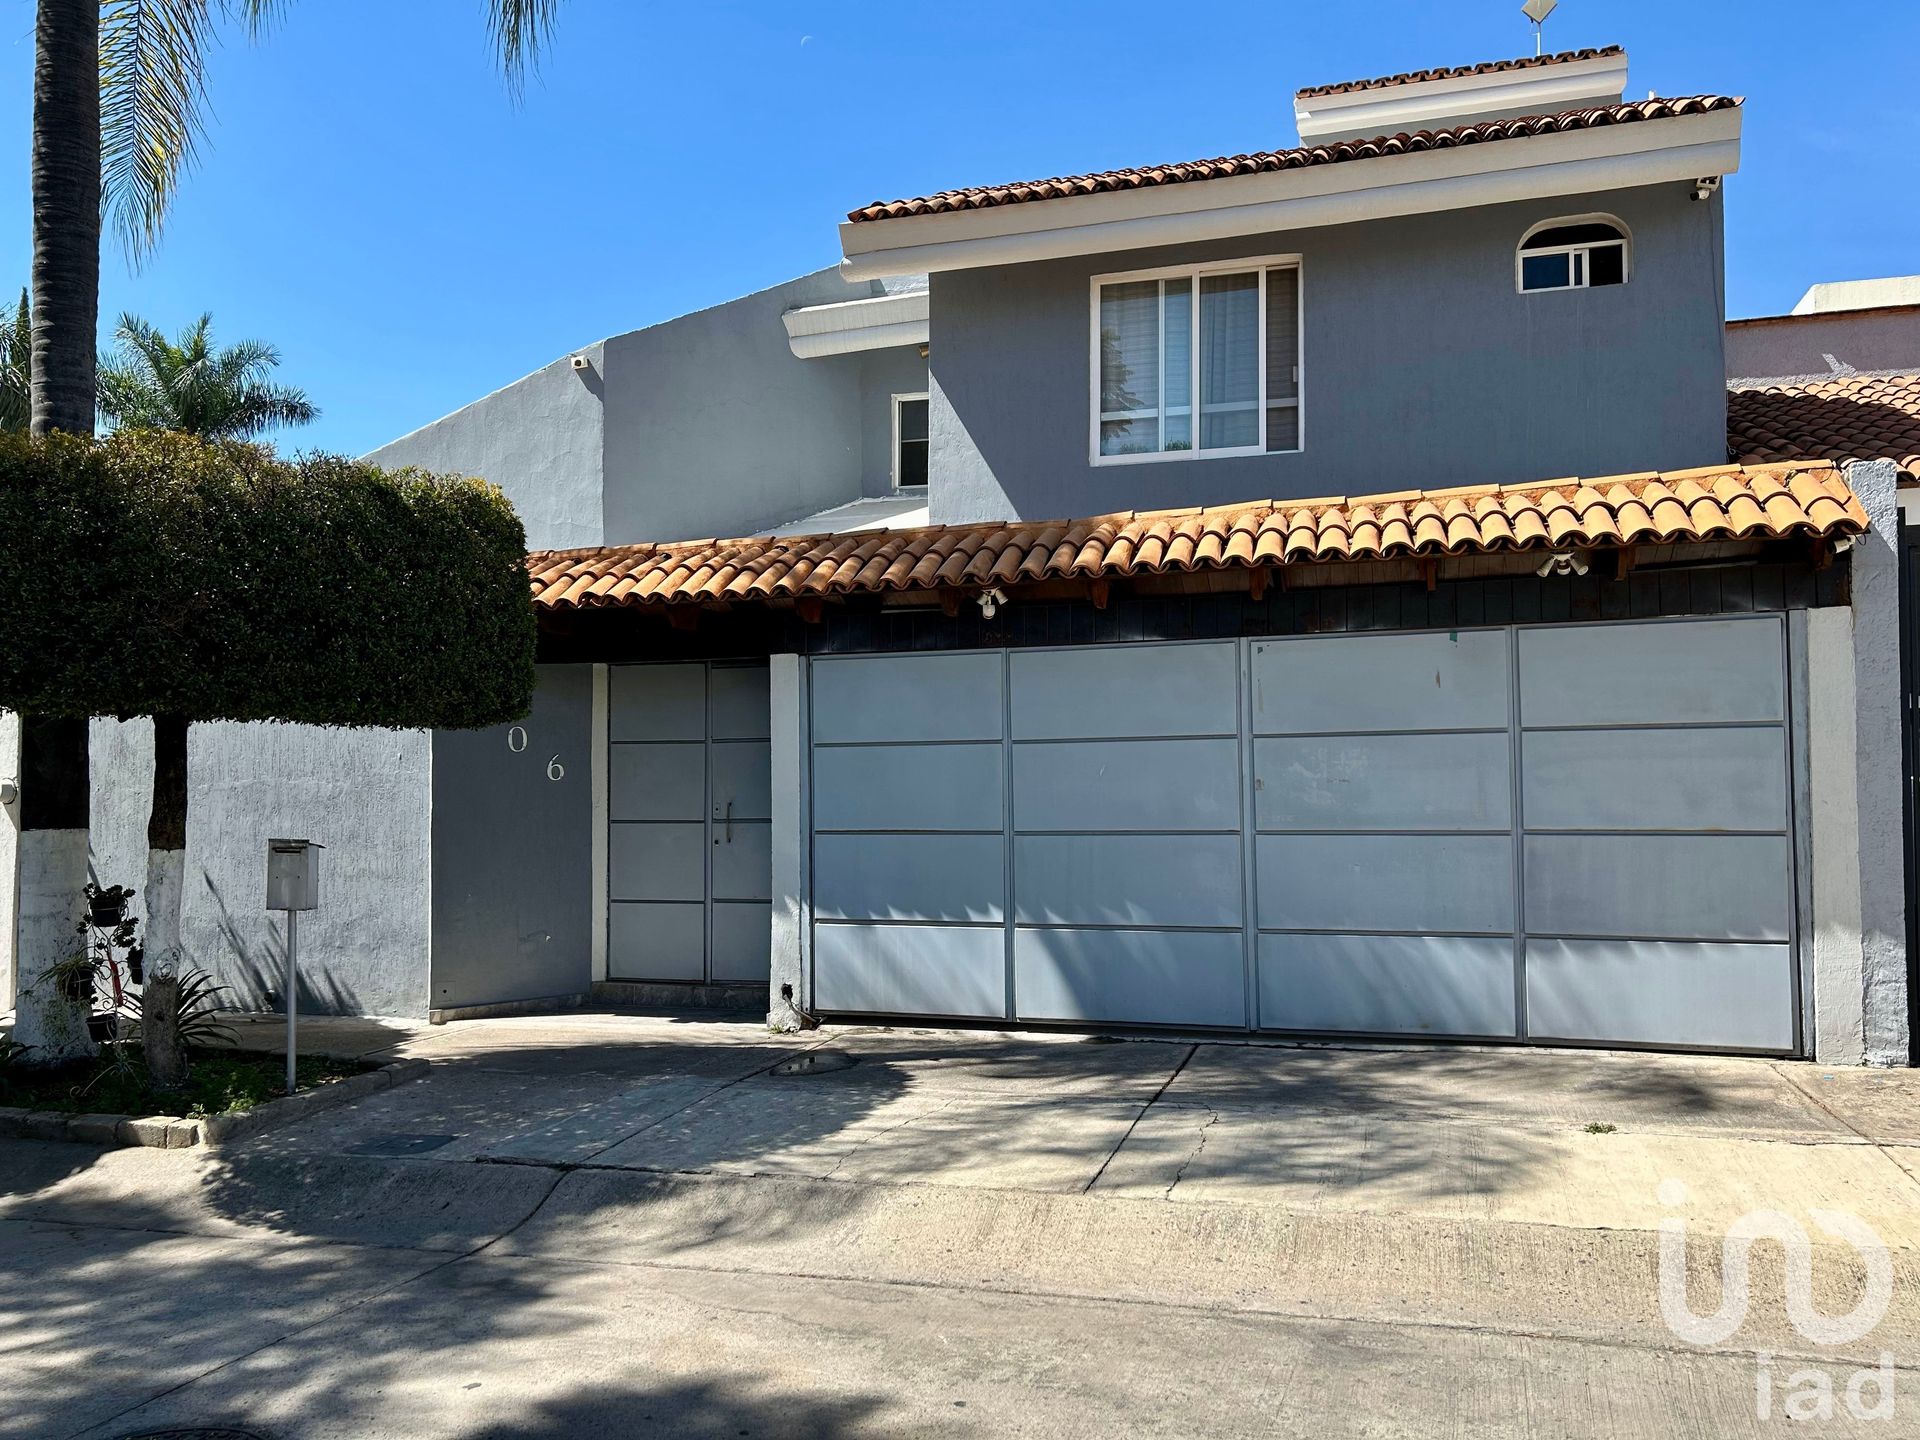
(293, 885)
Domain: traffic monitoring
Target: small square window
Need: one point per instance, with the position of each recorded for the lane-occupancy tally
(909, 440)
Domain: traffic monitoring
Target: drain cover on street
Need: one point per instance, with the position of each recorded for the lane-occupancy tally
(815, 1062)
(400, 1145)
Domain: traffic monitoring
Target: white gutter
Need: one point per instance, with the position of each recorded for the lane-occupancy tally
(1611, 157)
(849, 326)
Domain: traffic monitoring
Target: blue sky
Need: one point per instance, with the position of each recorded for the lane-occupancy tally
(371, 200)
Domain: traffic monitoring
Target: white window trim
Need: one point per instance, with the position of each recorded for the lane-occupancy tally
(893, 453)
(1521, 253)
(1260, 263)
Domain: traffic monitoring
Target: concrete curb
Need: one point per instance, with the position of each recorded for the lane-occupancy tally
(172, 1132)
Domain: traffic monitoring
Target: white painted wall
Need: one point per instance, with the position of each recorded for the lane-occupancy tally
(365, 794)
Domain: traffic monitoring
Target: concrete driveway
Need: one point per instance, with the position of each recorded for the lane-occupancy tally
(628, 1222)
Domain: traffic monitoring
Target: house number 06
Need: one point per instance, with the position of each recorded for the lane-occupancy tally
(517, 742)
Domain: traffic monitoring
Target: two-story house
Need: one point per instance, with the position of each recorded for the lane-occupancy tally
(1331, 609)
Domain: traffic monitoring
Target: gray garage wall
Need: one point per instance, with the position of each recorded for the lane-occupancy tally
(1423, 366)
(513, 852)
(362, 793)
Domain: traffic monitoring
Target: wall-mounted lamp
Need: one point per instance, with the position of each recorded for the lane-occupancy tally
(9, 792)
(990, 601)
(1563, 562)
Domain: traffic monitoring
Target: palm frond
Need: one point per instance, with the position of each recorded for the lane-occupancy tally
(152, 95)
(520, 29)
(16, 342)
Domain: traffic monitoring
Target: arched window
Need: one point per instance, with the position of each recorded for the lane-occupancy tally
(1574, 254)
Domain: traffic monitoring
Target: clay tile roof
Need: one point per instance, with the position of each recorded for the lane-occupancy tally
(1455, 72)
(1332, 152)
(1722, 502)
(1854, 417)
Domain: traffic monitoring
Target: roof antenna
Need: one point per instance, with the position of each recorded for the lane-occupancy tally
(1537, 11)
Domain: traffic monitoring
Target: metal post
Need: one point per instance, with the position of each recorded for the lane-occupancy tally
(293, 989)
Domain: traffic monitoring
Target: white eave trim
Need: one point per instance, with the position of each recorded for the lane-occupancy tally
(849, 326)
(1607, 157)
(1435, 104)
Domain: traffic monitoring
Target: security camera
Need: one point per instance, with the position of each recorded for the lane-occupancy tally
(580, 362)
(1705, 186)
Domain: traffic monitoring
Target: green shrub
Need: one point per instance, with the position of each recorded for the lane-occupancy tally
(155, 574)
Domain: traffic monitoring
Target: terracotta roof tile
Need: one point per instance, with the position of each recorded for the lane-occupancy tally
(1455, 72)
(1300, 158)
(1732, 502)
(1854, 417)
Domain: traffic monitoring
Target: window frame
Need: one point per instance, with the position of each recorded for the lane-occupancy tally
(1195, 272)
(1521, 254)
(893, 452)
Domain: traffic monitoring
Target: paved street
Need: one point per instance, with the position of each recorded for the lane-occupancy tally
(626, 1225)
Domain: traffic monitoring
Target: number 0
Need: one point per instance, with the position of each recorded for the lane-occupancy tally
(555, 770)
(517, 739)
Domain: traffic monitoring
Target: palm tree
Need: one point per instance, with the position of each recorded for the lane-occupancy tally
(189, 385)
(16, 343)
(118, 95)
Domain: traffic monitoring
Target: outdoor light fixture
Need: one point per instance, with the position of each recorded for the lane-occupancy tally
(990, 601)
(1562, 562)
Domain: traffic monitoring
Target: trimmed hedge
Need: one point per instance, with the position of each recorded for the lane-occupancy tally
(159, 574)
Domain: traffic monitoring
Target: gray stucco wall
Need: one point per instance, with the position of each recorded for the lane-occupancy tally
(1786, 347)
(1422, 365)
(362, 793)
(539, 439)
(883, 375)
(715, 427)
(513, 852)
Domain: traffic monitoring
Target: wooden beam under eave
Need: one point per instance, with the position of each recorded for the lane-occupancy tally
(1821, 552)
(950, 599)
(1098, 591)
(1430, 571)
(1257, 583)
(1623, 562)
(809, 608)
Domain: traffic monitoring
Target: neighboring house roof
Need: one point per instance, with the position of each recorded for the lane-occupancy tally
(1726, 501)
(1853, 417)
(1455, 72)
(1302, 157)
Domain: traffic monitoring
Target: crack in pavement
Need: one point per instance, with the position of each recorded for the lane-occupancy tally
(1213, 1119)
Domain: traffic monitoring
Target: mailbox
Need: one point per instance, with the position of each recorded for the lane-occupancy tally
(293, 874)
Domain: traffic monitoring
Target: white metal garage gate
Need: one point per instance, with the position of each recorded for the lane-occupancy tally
(1572, 833)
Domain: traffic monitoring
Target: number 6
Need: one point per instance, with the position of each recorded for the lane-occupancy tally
(555, 770)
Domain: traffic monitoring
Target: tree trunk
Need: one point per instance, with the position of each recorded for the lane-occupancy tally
(52, 1018)
(66, 311)
(66, 214)
(166, 874)
(160, 1031)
